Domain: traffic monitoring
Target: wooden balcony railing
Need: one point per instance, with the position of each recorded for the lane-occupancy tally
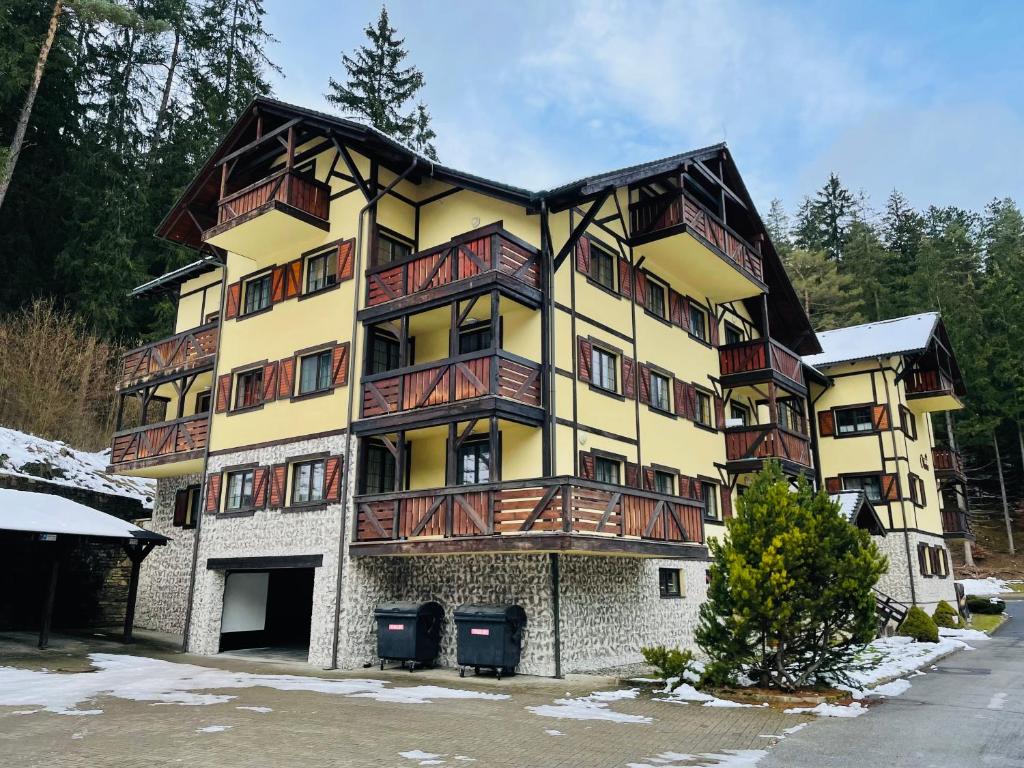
(760, 356)
(553, 505)
(307, 195)
(490, 249)
(679, 208)
(184, 352)
(954, 521)
(767, 441)
(160, 442)
(928, 382)
(947, 461)
(448, 381)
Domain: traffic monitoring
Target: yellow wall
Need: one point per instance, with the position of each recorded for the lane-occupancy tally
(198, 298)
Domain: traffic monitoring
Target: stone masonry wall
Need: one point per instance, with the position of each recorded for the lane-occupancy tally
(896, 582)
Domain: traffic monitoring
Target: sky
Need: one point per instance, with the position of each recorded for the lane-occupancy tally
(923, 97)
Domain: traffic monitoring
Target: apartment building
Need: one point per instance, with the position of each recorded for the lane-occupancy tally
(393, 380)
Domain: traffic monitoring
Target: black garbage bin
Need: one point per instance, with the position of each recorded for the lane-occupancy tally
(409, 632)
(490, 637)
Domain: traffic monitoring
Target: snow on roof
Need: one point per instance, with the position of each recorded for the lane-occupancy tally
(849, 502)
(47, 513)
(887, 337)
(25, 455)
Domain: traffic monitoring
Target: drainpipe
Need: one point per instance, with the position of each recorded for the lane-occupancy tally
(347, 463)
(903, 508)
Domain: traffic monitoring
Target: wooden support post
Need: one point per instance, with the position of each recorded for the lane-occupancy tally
(223, 180)
(119, 423)
(400, 462)
(494, 464)
(450, 470)
(136, 552)
(51, 596)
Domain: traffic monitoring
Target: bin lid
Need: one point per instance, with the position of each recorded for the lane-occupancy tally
(409, 609)
(473, 612)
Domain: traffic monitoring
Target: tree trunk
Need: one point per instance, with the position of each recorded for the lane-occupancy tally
(165, 98)
(1002, 491)
(26, 110)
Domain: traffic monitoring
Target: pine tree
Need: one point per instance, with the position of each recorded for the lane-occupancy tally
(868, 265)
(829, 297)
(824, 222)
(777, 224)
(378, 88)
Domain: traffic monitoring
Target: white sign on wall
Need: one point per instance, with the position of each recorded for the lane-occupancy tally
(245, 602)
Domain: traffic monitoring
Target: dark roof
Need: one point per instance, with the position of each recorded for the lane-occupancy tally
(177, 276)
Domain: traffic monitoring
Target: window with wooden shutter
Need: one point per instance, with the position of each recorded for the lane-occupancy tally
(278, 481)
(675, 308)
(286, 377)
(922, 559)
(223, 392)
(346, 259)
(583, 255)
(339, 375)
(632, 474)
(293, 278)
(213, 493)
(833, 484)
(270, 382)
(686, 486)
(890, 487)
(640, 288)
(826, 424)
(713, 328)
(628, 377)
(332, 482)
(645, 384)
(944, 561)
(586, 465)
(719, 412)
(880, 417)
(181, 502)
(584, 353)
(679, 397)
(625, 278)
(649, 479)
(726, 494)
(277, 284)
(261, 479)
(233, 300)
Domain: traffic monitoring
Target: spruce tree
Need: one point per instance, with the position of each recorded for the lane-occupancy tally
(824, 222)
(378, 88)
(777, 224)
(830, 297)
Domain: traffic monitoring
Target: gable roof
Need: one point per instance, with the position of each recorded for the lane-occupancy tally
(900, 336)
(855, 508)
(45, 513)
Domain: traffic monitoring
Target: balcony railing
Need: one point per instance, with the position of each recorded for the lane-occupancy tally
(954, 522)
(928, 382)
(160, 443)
(947, 461)
(766, 441)
(489, 249)
(500, 374)
(182, 353)
(680, 209)
(304, 194)
(754, 361)
(529, 508)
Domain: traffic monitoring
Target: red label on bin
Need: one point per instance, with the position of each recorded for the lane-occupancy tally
(479, 631)
(394, 627)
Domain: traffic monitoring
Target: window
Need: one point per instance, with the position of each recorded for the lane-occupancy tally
(656, 298)
(739, 415)
(257, 294)
(602, 266)
(909, 422)
(239, 495)
(733, 335)
(698, 323)
(790, 416)
(321, 270)
(474, 462)
(917, 494)
(203, 402)
(659, 392)
(670, 582)
(665, 482)
(606, 470)
(249, 389)
(389, 249)
(384, 352)
(475, 338)
(315, 372)
(380, 470)
(603, 364)
(186, 506)
(702, 412)
(870, 484)
(709, 492)
(307, 481)
(850, 421)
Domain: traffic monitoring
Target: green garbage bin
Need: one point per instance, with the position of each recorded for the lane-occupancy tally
(489, 637)
(409, 633)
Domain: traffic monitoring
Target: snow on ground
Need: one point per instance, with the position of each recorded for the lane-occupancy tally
(686, 693)
(984, 587)
(423, 758)
(262, 710)
(592, 707)
(963, 634)
(730, 758)
(214, 728)
(164, 682)
(888, 658)
(830, 710)
(25, 455)
(553, 732)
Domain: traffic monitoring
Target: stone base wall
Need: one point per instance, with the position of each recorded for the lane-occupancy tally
(926, 591)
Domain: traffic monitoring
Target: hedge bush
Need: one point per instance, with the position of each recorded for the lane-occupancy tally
(671, 663)
(919, 625)
(991, 605)
(945, 616)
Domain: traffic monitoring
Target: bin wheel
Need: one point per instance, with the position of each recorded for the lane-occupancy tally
(476, 670)
(498, 673)
(462, 671)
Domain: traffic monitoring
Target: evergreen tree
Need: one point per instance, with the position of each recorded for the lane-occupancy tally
(830, 297)
(378, 88)
(777, 224)
(868, 266)
(824, 222)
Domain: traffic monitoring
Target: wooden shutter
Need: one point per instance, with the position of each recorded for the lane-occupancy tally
(180, 507)
(587, 466)
(260, 481)
(293, 278)
(675, 308)
(583, 255)
(277, 284)
(679, 392)
(726, 495)
(880, 417)
(632, 474)
(712, 327)
(696, 489)
(339, 365)
(584, 359)
(332, 478)
(640, 288)
(278, 482)
(833, 484)
(922, 559)
(346, 260)
(628, 377)
(691, 402)
(826, 423)
(719, 412)
(625, 278)
(944, 558)
(286, 377)
(685, 486)
(645, 384)
(233, 300)
(213, 492)
(270, 382)
(648, 479)
(223, 393)
(890, 487)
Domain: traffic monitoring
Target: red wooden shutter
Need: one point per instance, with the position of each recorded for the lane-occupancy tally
(625, 278)
(261, 476)
(346, 260)
(233, 300)
(826, 424)
(726, 495)
(277, 284)
(685, 483)
(691, 402)
(648, 479)
(890, 487)
(679, 391)
(180, 507)
(645, 384)
(213, 492)
(223, 393)
(332, 478)
(293, 278)
(719, 412)
(339, 365)
(587, 466)
(833, 484)
(628, 377)
(880, 417)
(675, 308)
(270, 382)
(684, 313)
(713, 327)
(278, 481)
(583, 255)
(640, 288)
(584, 359)
(286, 377)
(632, 474)
(696, 489)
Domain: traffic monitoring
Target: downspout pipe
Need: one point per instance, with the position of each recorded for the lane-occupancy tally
(903, 508)
(347, 463)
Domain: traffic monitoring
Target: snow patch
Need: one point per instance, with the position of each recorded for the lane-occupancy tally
(894, 688)
(214, 728)
(830, 710)
(730, 758)
(552, 732)
(256, 709)
(592, 707)
(963, 634)
(984, 587)
(687, 693)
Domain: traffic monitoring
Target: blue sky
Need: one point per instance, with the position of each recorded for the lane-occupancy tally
(925, 97)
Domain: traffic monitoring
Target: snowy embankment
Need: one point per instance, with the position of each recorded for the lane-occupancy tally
(24, 455)
(984, 587)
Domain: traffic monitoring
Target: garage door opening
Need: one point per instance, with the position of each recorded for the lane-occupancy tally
(268, 613)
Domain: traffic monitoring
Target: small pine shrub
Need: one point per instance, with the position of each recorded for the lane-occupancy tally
(671, 663)
(919, 625)
(718, 674)
(945, 616)
(992, 605)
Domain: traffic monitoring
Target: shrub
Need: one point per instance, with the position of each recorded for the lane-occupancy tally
(718, 674)
(672, 664)
(945, 616)
(985, 604)
(919, 625)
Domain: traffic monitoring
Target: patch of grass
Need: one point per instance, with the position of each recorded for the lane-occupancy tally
(1016, 586)
(985, 622)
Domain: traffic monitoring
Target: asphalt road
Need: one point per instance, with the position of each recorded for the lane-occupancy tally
(968, 713)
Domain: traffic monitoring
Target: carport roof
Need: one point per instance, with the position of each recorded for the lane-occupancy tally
(47, 513)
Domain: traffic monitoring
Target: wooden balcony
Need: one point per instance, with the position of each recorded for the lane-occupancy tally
(955, 524)
(168, 442)
(746, 448)
(473, 384)
(187, 352)
(759, 362)
(948, 463)
(932, 390)
(477, 260)
(543, 515)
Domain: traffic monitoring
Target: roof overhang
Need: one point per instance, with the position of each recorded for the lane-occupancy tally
(49, 514)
